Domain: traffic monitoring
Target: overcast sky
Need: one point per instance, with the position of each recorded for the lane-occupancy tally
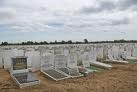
(50, 20)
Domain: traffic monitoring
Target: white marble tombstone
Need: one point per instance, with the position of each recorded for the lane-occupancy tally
(99, 50)
(60, 61)
(1, 58)
(93, 54)
(85, 59)
(36, 61)
(8, 54)
(47, 61)
(72, 60)
(115, 52)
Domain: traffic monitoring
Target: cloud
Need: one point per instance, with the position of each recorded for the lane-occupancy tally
(115, 22)
(128, 3)
(123, 21)
(55, 24)
(7, 13)
(102, 6)
(109, 6)
(44, 16)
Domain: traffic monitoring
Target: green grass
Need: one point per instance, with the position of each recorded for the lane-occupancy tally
(132, 61)
(95, 68)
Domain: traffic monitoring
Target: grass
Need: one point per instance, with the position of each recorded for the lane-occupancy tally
(132, 61)
(95, 68)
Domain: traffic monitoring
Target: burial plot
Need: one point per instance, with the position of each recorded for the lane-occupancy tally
(93, 60)
(20, 73)
(86, 62)
(55, 75)
(112, 60)
(47, 67)
(61, 64)
(25, 77)
(128, 53)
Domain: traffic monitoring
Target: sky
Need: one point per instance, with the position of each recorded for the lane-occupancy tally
(50, 20)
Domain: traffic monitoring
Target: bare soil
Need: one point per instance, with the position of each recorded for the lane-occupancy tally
(121, 78)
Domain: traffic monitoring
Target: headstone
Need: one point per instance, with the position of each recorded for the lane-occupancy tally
(1, 58)
(58, 51)
(29, 54)
(99, 52)
(72, 60)
(47, 61)
(7, 58)
(115, 51)
(85, 59)
(93, 55)
(1, 62)
(36, 61)
(60, 61)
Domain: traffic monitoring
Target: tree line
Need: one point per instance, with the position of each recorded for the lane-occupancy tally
(85, 41)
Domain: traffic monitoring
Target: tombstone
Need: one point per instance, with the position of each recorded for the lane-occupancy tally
(1, 62)
(72, 60)
(66, 52)
(121, 52)
(42, 50)
(72, 64)
(1, 59)
(93, 55)
(60, 61)
(99, 53)
(47, 61)
(20, 73)
(35, 61)
(29, 54)
(85, 59)
(58, 51)
(105, 52)
(7, 58)
(17, 52)
(115, 52)
(128, 50)
(110, 57)
(135, 52)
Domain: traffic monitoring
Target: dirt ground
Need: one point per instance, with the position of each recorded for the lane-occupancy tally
(121, 78)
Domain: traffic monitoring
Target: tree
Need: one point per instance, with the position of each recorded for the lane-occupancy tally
(63, 42)
(4, 43)
(69, 42)
(29, 42)
(45, 42)
(85, 41)
(56, 42)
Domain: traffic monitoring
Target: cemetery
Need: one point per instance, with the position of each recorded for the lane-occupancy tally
(38, 65)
